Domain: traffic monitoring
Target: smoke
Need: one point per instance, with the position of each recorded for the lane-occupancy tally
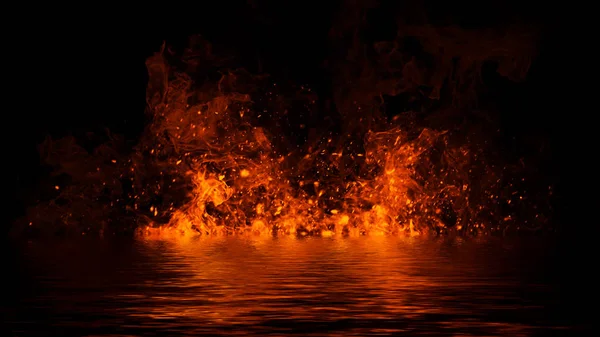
(224, 156)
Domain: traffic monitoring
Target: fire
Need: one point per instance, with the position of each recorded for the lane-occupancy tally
(216, 159)
(241, 183)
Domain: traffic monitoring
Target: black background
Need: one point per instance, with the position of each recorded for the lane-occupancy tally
(78, 70)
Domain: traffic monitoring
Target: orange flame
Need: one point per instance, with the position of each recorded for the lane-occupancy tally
(241, 184)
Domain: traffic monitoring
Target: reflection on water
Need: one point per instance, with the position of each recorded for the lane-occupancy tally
(282, 286)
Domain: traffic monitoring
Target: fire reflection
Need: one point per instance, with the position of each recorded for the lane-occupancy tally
(251, 283)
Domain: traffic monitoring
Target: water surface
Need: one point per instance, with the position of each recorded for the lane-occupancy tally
(369, 286)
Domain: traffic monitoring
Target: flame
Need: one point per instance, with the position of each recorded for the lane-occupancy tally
(241, 183)
(215, 160)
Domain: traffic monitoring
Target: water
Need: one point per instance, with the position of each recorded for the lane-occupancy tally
(370, 286)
